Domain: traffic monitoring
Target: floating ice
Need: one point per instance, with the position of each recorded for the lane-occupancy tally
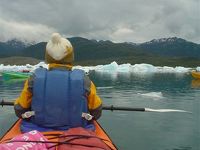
(156, 95)
(105, 87)
(144, 68)
(21, 68)
(112, 68)
(14, 68)
(181, 69)
(198, 68)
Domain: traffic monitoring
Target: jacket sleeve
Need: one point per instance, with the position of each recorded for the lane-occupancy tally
(94, 101)
(23, 102)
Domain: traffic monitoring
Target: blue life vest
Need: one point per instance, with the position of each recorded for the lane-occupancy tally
(59, 99)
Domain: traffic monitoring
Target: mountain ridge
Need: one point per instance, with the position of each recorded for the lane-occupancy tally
(164, 51)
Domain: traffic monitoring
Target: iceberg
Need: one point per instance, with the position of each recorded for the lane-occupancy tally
(144, 68)
(113, 67)
(21, 68)
(198, 68)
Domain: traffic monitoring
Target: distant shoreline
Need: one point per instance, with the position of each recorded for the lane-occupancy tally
(156, 61)
(18, 60)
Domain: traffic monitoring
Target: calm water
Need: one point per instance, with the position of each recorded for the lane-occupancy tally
(138, 130)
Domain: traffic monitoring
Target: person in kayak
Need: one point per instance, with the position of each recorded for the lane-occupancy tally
(58, 98)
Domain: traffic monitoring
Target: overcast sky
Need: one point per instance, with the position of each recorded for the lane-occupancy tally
(116, 20)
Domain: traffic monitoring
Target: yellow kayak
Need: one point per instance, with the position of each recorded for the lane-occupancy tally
(196, 74)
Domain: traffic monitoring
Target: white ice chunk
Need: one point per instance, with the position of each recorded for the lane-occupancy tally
(152, 94)
(144, 68)
(181, 69)
(198, 68)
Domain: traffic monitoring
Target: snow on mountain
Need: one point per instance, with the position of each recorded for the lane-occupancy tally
(165, 40)
(18, 44)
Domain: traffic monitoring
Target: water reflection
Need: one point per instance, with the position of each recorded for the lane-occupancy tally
(195, 83)
(12, 81)
(143, 131)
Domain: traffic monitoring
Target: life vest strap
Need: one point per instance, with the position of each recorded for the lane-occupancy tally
(28, 114)
(87, 116)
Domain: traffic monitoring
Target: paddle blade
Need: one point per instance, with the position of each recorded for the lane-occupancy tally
(165, 110)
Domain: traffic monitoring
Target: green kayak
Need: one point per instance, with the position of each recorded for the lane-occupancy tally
(15, 75)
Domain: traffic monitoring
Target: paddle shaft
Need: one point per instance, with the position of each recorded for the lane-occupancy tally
(3, 103)
(122, 108)
(112, 108)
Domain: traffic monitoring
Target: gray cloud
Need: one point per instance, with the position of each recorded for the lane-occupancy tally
(116, 20)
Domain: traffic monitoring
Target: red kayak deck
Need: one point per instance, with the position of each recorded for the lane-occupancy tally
(15, 130)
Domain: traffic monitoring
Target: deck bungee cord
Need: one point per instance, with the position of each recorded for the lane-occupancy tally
(62, 141)
(56, 143)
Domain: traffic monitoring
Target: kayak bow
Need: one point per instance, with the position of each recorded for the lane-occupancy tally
(50, 135)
